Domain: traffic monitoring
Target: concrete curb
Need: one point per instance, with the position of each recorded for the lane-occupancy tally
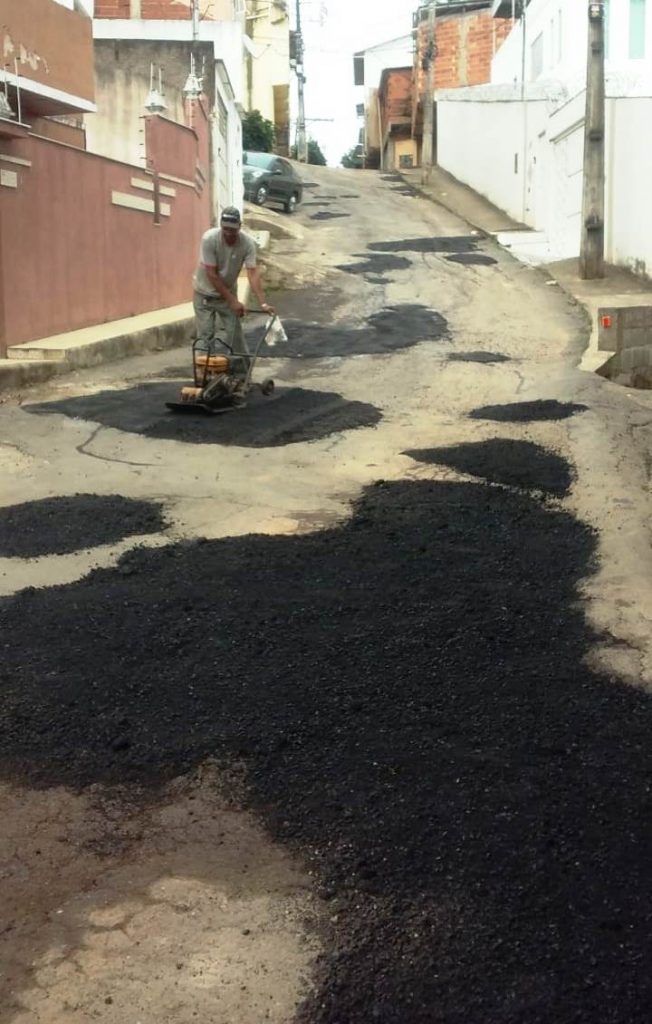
(115, 347)
(20, 373)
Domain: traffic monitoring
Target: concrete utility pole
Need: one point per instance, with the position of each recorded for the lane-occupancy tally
(593, 200)
(428, 155)
(524, 107)
(302, 139)
(195, 20)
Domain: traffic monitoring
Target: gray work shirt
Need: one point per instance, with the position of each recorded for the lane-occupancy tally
(227, 259)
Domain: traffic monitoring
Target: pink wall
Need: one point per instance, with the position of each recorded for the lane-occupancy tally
(70, 258)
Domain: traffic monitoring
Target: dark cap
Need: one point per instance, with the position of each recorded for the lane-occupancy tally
(231, 217)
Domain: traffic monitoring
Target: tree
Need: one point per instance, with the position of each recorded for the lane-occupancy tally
(257, 132)
(352, 158)
(315, 155)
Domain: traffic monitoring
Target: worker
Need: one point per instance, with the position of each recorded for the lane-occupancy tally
(218, 310)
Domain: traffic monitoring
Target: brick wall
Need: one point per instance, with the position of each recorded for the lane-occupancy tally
(112, 8)
(105, 259)
(395, 96)
(466, 44)
(159, 10)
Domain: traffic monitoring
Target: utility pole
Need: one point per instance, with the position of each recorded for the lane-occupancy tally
(195, 20)
(524, 107)
(593, 203)
(428, 65)
(302, 139)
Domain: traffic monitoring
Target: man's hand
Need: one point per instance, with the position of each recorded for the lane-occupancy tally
(266, 308)
(236, 307)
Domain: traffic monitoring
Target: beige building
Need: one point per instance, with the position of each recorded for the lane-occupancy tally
(267, 45)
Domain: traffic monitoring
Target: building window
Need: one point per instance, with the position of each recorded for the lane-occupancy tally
(536, 57)
(222, 117)
(637, 29)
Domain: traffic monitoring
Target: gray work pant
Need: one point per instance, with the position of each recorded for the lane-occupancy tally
(217, 327)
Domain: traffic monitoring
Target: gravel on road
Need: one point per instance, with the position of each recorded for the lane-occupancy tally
(410, 697)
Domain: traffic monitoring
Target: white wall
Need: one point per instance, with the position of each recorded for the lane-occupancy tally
(629, 167)
(233, 193)
(564, 53)
(481, 130)
(480, 141)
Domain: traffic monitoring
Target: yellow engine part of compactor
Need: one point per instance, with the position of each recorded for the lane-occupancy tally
(213, 364)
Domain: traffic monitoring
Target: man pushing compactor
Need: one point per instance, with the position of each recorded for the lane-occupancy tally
(218, 311)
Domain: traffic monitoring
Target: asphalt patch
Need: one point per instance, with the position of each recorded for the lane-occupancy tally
(349, 195)
(318, 202)
(502, 461)
(391, 177)
(454, 244)
(370, 279)
(477, 357)
(471, 259)
(375, 264)
(327, 215)
(390, 330)
(406, 190)
(60, 525)
(410, 699)
(528, 412)
(289, 416)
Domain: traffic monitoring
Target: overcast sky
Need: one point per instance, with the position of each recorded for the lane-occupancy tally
(333, 31)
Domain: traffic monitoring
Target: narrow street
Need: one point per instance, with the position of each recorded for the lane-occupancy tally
(334, 709)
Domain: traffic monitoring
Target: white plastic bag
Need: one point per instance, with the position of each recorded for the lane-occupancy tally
(276, 333)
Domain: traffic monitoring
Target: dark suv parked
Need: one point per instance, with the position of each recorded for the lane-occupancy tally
(269, 178)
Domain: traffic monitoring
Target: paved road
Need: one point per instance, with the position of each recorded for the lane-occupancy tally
(351, 720)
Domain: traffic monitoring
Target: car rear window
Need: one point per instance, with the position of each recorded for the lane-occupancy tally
(264, 160)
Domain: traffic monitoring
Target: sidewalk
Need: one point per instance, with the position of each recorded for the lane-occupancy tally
(461, 200)
(618, 288)
(36, 361)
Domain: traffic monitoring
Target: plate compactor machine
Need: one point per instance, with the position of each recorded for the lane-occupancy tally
(222, 378)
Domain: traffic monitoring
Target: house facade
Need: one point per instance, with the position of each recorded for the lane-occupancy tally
(121, 238)
(520, 140)
(461, 42)
(47, 58)
(398, 148)
(368, 68)
(154, 45)
(267, 47)
(551, 41)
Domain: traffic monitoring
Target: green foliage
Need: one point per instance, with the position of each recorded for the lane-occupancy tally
(257, 132)
(352, 158)
(315, 155)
